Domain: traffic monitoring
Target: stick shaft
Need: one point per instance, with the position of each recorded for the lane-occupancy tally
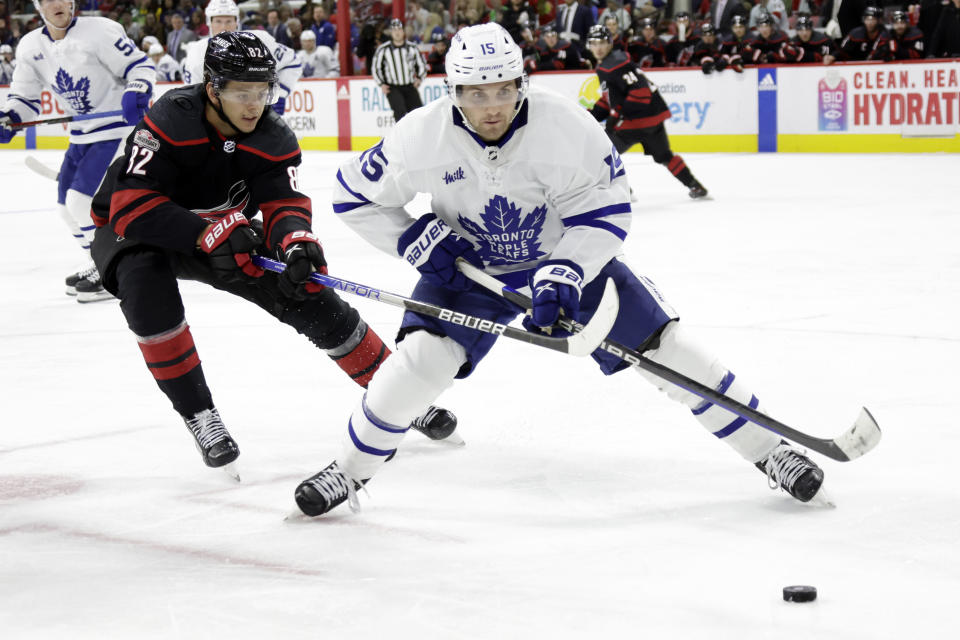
(82, 116)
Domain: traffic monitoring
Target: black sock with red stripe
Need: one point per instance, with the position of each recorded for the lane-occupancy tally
(361, 354)
(172, 359)
(680, 171)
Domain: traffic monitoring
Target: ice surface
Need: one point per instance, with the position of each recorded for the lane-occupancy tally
(581, 507)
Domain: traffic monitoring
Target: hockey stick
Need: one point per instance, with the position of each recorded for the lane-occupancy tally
(39, 168)
(580, 344)
(82, 116)
(853, 443)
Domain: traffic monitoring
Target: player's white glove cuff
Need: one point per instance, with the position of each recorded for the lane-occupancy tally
(138, 86)
(418, 252)
(561, 273)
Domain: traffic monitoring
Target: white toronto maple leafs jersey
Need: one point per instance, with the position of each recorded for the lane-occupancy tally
(320, 63)
(167, 69)
(87, 70)
(554, 187)
(289, 67)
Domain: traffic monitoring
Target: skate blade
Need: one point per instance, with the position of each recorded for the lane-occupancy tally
(454, 439)
(231, 471)
(822, 499)
(94, 297)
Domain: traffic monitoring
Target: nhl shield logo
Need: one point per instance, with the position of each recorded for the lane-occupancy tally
(229, 146)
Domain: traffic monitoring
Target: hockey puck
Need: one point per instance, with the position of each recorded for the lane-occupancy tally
(800, 593)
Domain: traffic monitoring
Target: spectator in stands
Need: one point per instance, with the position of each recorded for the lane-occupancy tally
(416, 17)
(295, 29)
(324, 30)
(572, 24)
(722, 12)
(809, 46)
(616, 9)
(131, 28)
(318, 61)
(516, 14)
(930, 11)
(168, 69)
(774, 8)
(7, 63)
(945, 42)
(198, 24)
(438, 55)
(648, 49)
(6, 34)
(646, 9)
(862, 42)
(276, 28)
(903, 41)
(179, 36)
(152, 27)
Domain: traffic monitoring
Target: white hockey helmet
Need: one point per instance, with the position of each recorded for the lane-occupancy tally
(222, 8)
(484, 54)
(5, 48)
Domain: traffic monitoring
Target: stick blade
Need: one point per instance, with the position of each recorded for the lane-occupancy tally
(38, 167)
(861, 438)
(593, 334)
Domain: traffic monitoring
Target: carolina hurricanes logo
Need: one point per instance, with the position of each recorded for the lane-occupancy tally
(237, 199)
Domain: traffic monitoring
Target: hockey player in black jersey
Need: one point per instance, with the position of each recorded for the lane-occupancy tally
(648, 49)
(680, 48)
(863, 42)
(556, 54)
(809, 46)
(903, 41)
(634, 109)
(766, 45)
(203, 161)
(735, 46)
(706, 53)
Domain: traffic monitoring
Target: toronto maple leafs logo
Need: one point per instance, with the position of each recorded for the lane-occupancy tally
(76, 94)
(507, 236)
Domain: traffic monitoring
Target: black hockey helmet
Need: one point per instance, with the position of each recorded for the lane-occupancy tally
(395, 24)
(599, 32)
(738, 20)
(901, 16)
(872, 12)
(547, 29)
(681, 15)
(648, 22)
(804, 22)
(238, 56)
(708, 29)
(438, 36)
(765, 18)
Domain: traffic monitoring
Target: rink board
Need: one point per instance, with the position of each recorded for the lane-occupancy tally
(857, 108)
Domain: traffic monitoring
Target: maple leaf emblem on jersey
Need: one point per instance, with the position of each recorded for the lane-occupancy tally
(507, 236)
(76, 94)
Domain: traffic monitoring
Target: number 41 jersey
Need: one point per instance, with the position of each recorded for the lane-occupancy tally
(552, 187)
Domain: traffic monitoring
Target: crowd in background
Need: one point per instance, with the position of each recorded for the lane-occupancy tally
(553, 33)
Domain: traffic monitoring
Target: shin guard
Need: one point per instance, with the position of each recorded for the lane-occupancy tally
(172, 358)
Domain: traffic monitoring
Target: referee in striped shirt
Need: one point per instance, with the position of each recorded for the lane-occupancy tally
(399, 69)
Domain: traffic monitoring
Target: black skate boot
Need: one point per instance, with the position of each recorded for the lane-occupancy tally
(323, 491)
(71, 280)
(697, 190)
(792, 471)
(437, 423)
(213, 441)
(90, 288)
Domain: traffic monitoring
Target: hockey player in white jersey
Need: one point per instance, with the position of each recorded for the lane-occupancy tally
(168, 69)
(528, 185)
(92, 66)
(224, 15)
(318, 62)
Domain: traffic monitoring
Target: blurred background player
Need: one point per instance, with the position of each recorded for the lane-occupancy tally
(224, 15)
(168, 69)
(438, 54)
(90, 65)
(680, 48)
(399, 69)
(556, 177)
(648, 49)
(706, 53)
(735, 45)
(7, 63)
(205, 159)
(766, 45)
(318, 62)
(809, 46)
(554, 54)
(903, 41)
(634, 109)
(862, 42)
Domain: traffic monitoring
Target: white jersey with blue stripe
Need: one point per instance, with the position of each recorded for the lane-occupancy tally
(87, 70)
(289, 65)
(553, 188)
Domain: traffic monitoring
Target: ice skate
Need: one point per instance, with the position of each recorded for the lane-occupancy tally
(438, 424)
(697, 190)
(323, 491)
(90, 288)
(213, 440)
(71, 280)
(793, 472)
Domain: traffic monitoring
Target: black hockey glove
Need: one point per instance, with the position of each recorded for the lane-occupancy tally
(303, 254)
(708, 65)
(720, 64)
(229, 244)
